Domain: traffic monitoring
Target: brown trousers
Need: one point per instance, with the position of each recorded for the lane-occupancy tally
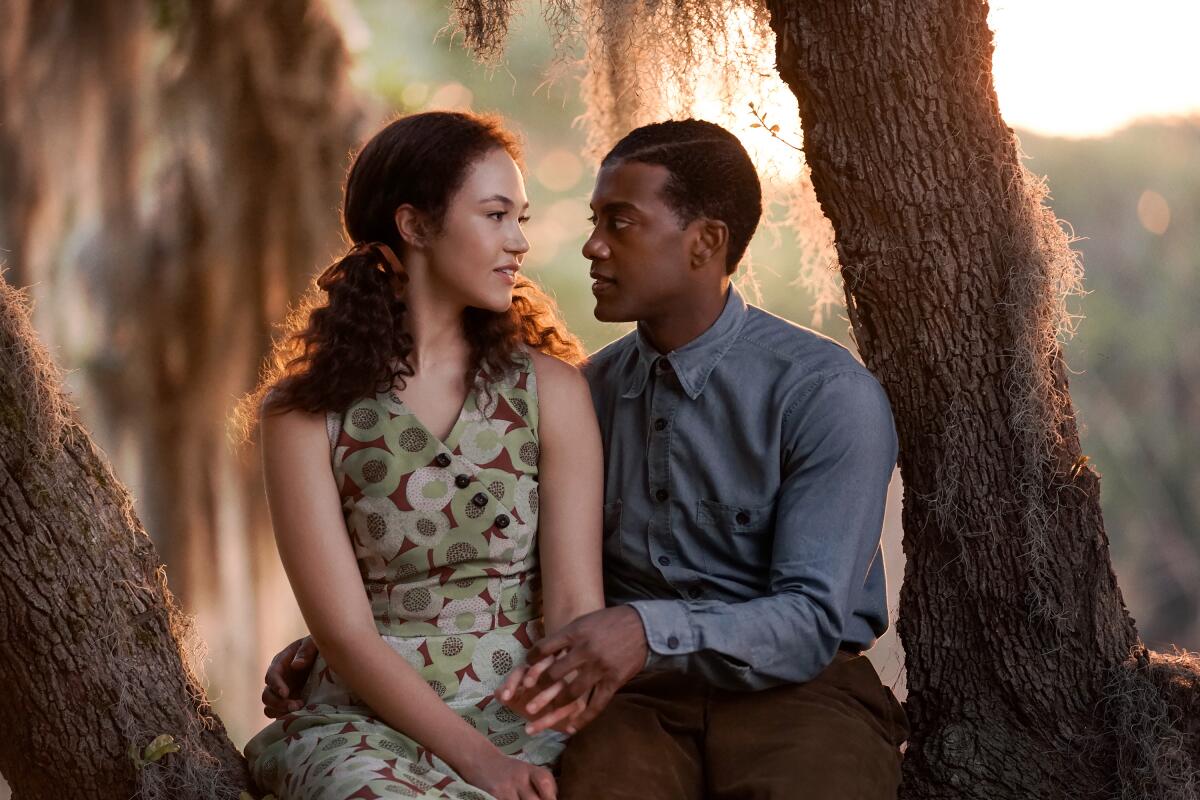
(668, 736)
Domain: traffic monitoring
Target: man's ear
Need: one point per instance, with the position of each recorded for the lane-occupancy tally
(713, 240)
(412, 224)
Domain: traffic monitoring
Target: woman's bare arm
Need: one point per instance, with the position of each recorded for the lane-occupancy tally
(570, 493)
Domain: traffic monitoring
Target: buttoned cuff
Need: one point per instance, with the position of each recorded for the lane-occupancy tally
(668, 629)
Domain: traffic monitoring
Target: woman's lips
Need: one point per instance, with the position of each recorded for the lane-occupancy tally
(508, 274)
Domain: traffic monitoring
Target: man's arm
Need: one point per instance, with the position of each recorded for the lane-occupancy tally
(839, 452)
(838, 456)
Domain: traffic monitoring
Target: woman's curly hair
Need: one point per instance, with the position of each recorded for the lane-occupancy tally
(347, 338)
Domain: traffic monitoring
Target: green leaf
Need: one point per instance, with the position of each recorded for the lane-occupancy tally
(163, 743)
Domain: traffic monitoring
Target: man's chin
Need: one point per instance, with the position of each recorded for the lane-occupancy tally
(604, 314)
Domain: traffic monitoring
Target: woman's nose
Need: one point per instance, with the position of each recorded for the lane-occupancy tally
(519, 244)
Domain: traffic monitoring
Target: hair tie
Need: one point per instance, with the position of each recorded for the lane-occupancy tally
(384, 257)
(381, 250)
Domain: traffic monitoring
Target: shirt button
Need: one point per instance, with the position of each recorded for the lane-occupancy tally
(659, 424)
(666, 562)
(442, 460)
(462, 481)
(742, 518)
(662, 366)
(661, 495)
(502, 522)
(673, 642)
(480, 500)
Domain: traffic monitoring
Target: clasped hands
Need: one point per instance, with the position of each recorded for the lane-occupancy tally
(568, 678)
(571, 675)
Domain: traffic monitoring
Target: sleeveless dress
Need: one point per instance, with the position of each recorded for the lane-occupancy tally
(445, 538)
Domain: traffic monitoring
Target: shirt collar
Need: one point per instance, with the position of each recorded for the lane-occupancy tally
(695, 361)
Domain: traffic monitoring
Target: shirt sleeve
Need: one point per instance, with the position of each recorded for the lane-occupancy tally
(838, 454)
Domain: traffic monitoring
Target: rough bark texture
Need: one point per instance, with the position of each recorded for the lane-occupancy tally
(91, 664)
(1017, 642)
(168, 187)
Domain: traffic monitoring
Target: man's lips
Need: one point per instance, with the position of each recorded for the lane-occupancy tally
(601, 283)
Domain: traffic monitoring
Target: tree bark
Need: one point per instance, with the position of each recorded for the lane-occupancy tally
(173, 187)
(94, 660)
(1025, 672)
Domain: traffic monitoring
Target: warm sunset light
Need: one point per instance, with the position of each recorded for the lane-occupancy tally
(1061, 68)
(774, 152)
(1088, 67)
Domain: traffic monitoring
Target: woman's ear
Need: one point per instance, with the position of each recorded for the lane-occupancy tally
(412, 224)
(713, 240)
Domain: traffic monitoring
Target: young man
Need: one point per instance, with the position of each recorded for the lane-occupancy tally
(746, 467)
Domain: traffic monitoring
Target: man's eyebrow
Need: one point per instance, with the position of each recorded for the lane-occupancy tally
(615, 206)
(499, 198)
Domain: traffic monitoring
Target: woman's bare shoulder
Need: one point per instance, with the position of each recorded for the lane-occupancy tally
(280, 426)
(557, 378)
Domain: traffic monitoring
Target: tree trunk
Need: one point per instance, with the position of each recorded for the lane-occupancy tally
(1026, 677)
(94, 661)
(168, 189)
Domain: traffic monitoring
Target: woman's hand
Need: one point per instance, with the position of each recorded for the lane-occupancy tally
(508, 778)
(523, 695)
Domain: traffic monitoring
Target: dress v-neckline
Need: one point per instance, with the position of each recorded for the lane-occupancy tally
(450, 441)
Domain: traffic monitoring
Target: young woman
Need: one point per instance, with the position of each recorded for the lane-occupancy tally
(433, 473)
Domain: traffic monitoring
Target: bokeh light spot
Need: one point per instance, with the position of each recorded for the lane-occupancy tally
(1153, 212)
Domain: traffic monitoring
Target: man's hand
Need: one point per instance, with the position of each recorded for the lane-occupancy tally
(286, 677)
(586, 661)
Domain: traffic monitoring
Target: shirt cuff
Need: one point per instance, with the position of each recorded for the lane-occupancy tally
(668, 629)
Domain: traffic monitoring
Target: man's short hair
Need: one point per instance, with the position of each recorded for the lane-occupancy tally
(711, 175)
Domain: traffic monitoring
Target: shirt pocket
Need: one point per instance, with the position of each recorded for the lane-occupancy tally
(738, 540)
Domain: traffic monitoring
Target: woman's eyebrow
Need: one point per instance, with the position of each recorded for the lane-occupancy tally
(499, 198)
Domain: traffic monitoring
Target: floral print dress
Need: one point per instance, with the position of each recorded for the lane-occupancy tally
(445, 537)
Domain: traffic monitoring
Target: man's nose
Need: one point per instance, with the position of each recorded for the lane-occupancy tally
(594, 249)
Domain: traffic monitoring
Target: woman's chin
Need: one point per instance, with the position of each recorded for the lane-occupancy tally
(497, 304)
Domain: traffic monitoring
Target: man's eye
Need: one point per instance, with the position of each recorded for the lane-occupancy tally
(618, 223)
(592, 219)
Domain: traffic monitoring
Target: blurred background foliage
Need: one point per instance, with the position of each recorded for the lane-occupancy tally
(1133, 198)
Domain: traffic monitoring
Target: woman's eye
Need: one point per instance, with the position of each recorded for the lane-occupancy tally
(497, 215)
(522, 220)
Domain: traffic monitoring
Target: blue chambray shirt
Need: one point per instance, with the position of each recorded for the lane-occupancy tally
(745, 480)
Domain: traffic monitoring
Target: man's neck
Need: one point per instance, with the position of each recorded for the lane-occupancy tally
(681, 325)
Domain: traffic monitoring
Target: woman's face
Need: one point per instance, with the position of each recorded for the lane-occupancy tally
(476, 255)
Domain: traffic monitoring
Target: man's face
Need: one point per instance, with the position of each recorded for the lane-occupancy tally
(640, 254)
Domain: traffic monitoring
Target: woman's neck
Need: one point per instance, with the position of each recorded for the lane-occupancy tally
(435, 323)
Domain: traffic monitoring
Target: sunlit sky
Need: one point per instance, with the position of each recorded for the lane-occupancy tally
(1088, 67)
(1074, 68)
